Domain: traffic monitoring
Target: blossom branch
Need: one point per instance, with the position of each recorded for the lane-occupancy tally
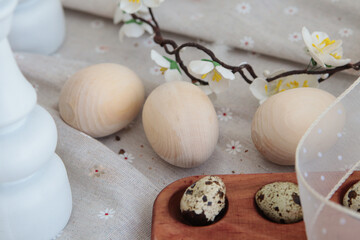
(176, 50)
(355, 66)
(172, 48)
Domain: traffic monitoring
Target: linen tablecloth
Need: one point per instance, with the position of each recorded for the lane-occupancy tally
(116, 203)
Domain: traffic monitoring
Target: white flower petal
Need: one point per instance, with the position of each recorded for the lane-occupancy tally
(322, 49)
(201, 67)
(133, 30)
(219, 86)
(143, 9)
(148, 28)
(127, 17)
(306, 36)
(129, 6)
(333, 47)
(160, 60)
(321, 36)
(172, 75)
(302, 80)
(257, 88)
(152, 3)
(317, 58)
(118, 16)
(336, 62)
(226, 73)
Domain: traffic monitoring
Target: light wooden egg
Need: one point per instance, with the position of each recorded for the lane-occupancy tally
(101, 99)
(281, 121)
(181, 124)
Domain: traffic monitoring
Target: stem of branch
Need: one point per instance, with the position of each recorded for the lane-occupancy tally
(176, 50)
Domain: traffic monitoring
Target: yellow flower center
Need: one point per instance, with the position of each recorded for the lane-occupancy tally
(137, 1)
(278, 85)
(324, 43)
(216, 77)
(163, 70)
(294, 84)
(266, 88)
(335, 56)
(306, 84)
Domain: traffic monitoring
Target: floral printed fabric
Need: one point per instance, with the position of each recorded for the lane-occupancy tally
(269, 27)
(116, 179)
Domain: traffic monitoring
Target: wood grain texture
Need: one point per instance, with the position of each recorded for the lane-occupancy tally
(241, 221)
(101, 99)
(181, 124)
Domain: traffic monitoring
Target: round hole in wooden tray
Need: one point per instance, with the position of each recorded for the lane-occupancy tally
(174, 209)
(258, 210)
(340, 194)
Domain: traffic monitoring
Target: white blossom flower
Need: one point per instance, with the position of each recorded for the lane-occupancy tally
(291, 10)
(132, 6)
(233, 147)
(96, 171)
(169, 68)
(247, 43)
(108, 213)
(120, 14)
(262, 90)
(212, 72)
(243, 7)
(224, 114)
(133, 28)
(345, 32)
(127, 157)
(295, 37)
(325, 52)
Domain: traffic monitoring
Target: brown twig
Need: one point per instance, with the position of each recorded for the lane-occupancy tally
(332, 71)
(171, 48)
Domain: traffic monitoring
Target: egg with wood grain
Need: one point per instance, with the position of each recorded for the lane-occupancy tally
(101, 99)
(181, 124)
(281, 121)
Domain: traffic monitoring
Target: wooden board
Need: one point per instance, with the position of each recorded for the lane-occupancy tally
(241, 221)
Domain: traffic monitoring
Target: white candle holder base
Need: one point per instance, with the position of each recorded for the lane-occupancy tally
(38, 26)
(35, 194)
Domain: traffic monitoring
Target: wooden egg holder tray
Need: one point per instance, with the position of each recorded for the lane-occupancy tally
(242, 219)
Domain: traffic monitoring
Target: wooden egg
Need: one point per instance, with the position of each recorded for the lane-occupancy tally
(101, 99)
(181, 124)
(281, 121)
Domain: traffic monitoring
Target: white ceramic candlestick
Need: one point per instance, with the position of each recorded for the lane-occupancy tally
(35, 195)
(38, 26)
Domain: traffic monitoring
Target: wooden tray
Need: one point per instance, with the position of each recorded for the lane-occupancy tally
(241, 221)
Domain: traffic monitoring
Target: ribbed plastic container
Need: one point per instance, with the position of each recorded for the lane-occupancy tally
(326, 156)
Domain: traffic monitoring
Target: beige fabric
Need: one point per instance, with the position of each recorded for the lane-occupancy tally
(268, 23)
(129, 189)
